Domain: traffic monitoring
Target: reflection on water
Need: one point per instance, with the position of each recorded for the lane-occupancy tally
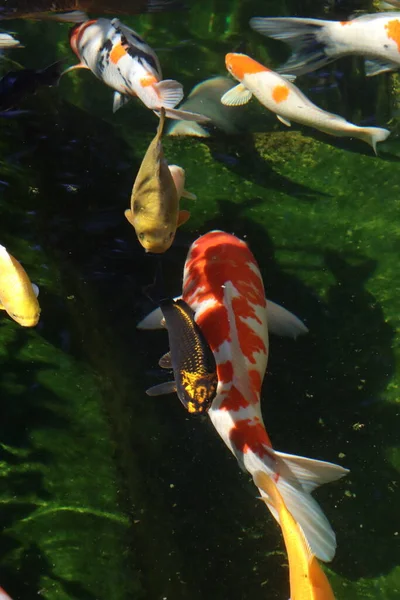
(106, 492)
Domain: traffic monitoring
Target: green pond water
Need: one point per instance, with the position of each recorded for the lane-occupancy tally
(107, 493)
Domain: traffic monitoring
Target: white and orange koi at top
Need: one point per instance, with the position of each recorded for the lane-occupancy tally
(223, 286)
(281, 96)
(119, 57)
(316, 42)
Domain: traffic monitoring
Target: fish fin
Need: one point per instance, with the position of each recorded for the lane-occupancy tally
(165, 361)
(304, 38)
(153, 319)
(168, 387)
(178, 175)
(35, 289)
(284, 120)
(184, 115)
(74, 16)
(73, 68)
(187, 128)
(297, 477)
(372, 135)
(283, 322)
(237, 96)
(129, 216)
(7, 41)
(119, 100)
(183, 216)
(376, 66)
(170, 92)
(289, 77)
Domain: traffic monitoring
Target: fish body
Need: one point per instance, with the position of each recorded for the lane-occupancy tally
(193, 363)
(18, 296)
(3, 595)
(279, 95)
(154, 211)
(316, 42)
(8, 41)
(73, 10)
(15, 85)
(307, 579)
(120, 58)
(223, 286)
(205, 98)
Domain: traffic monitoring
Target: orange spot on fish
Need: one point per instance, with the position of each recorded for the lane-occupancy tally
(393, 31)
(280, 93)
(234, 400)
(117, 53)
(343, 23)
(225, 372)
(241, 64)
(148, 80)
(250, 435)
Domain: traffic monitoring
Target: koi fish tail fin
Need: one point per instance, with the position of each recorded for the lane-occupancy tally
(372, 135)
(297, 478)
(306, 37)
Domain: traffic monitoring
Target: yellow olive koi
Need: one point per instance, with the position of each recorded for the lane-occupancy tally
(154, 211)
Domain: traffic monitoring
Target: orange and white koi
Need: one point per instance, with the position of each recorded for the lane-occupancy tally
(119, 57)
(222, 284)
(315, 42)
(279, 95)
(307, 579)
(18, 296)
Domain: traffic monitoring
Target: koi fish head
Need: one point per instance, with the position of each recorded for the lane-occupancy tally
(154, 240)
(240, 65)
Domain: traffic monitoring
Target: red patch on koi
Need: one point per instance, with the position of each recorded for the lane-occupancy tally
(234, 400)
(251, 435)
(225, 372)
(343, 23)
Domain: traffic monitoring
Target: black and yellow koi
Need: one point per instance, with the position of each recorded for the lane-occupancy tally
(190, 357)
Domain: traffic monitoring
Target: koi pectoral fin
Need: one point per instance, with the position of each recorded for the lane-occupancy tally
(183, 217)
(165, 361)
(129, 216)
(74, 67)
(119, 100)
(236, 96)
(35, 289)
(163, 388)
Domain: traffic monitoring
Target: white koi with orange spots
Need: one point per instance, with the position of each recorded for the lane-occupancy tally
(315, 42)
(281, 96)
(119, 57)
(223, 286)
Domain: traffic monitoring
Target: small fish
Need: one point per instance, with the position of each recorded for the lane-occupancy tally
(307, 579)
(205, 98)
(8, 41)
(15, 85)
(279, 95)
(120, 58)
(71, 11)
(18, 296)
(223, 286)
(154, 211)
(190, 357)
(315, 42)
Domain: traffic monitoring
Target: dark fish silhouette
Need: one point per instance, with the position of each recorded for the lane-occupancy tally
(15, 85)
(190, 357)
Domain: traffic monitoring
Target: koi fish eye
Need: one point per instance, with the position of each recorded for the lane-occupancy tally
(141, 236)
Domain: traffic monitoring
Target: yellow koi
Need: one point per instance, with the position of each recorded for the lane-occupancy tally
(154, 211)
(18, 296)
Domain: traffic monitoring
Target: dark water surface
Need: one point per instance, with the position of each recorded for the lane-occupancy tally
(109, 494)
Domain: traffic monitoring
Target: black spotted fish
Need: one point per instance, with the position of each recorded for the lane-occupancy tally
(190, 357)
